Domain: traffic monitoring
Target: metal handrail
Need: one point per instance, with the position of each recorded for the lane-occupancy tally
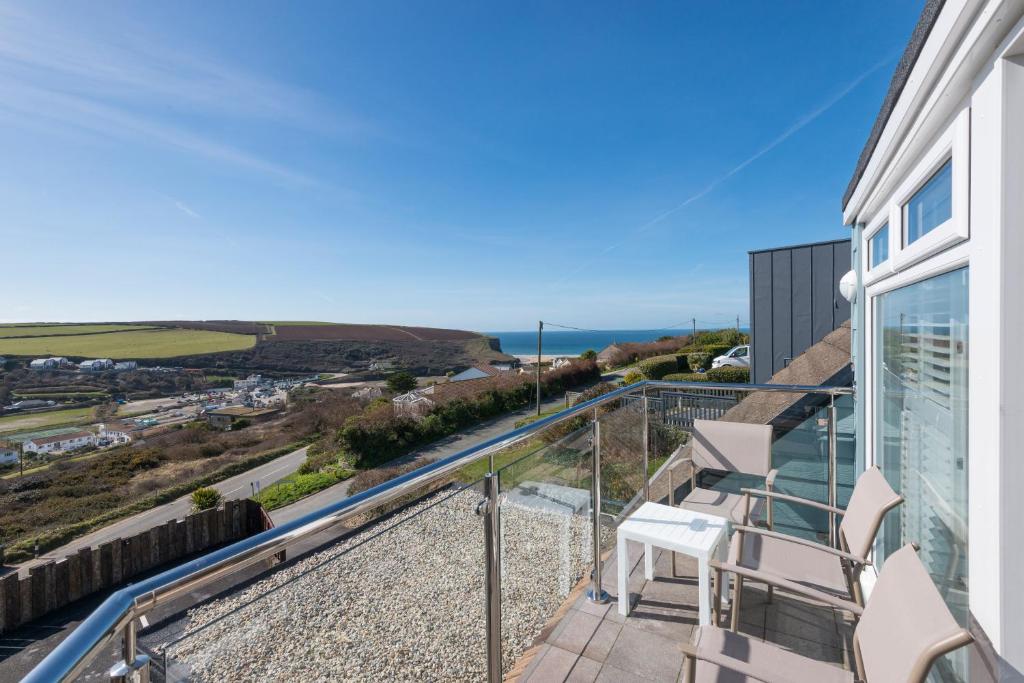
(118, 612)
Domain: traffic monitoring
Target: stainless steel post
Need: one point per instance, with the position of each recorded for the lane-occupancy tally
(134, 667)
(492, 554)
(832, 460)
(647, 446)
(595, 593)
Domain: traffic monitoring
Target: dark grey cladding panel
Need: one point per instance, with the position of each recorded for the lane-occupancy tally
(794, 301)
(803, 298)
(822, 273)
(761, 315)
(782, 307)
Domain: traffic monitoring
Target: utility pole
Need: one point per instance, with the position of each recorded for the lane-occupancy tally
(694, 321)
(21, 458)
(540, 333)
(737, 323)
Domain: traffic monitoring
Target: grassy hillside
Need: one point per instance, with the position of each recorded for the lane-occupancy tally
(127, 343)
(50, 418)
(23, 330)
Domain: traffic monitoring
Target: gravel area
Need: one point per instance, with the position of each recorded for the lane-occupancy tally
(402, 601)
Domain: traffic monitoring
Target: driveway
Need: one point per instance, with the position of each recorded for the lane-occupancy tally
(239, 486)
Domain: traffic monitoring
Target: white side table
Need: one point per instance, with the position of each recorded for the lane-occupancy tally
(683, 531)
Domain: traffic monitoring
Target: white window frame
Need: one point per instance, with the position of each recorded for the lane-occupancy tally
(954, 143)
(883, 269)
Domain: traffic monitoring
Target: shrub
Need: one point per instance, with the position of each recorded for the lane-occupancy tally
(589, 354)
(699, 360)
(687, 377)
(241, 424)
(633, 376)
(401, 382)
(729, 374)
(658, 366)
(205, 498)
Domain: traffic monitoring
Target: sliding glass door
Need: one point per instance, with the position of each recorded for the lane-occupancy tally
(920, 417)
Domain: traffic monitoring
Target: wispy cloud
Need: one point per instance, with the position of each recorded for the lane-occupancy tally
(185, 209)
(800, 123)
(122, 81)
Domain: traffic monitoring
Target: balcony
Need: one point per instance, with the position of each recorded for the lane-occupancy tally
(476, 567)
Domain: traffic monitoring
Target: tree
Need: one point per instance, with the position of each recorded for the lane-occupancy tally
(400, 382)
(205, 498)
(589, 354)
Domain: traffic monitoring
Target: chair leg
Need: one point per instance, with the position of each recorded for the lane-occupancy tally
(737, 593)
(716, 610)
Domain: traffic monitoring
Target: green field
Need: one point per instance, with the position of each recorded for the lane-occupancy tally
(26, 330)
(129, 343)
(51, 418)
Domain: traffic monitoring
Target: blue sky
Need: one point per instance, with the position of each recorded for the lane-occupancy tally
(471, 165)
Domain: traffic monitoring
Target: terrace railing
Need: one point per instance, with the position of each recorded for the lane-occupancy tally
(460, 563)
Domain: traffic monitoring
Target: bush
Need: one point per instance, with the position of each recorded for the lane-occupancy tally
(699, 360)
(658, 366)
(589, 354)
(633, 376)
(687, 377)
(401, 382)
(205, 498)
(729, 374)
(241, 424)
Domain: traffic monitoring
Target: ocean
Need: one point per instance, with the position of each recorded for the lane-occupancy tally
(573, 343)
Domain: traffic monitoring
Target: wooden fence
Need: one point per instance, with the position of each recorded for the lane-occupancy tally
(57, 583)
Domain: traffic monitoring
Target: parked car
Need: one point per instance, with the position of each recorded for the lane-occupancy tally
(737, 357)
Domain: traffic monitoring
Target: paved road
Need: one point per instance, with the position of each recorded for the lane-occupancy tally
(441, 449)
(232, 488)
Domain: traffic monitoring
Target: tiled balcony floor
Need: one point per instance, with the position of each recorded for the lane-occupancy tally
(591, 642)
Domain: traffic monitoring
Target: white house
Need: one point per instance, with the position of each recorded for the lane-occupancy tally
(60, 443)
(54, 363)
(8, 455)
(124, 365)
(249, 383)
(560, 363)
(116, 434)
(414, 404)
(96, 365)
(936, 205)
(370, 392)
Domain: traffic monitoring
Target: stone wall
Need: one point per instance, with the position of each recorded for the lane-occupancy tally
(50, 586)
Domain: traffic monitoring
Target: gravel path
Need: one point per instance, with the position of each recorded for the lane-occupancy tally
(403, 601)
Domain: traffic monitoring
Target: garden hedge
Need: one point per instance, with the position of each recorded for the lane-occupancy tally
(658, 366)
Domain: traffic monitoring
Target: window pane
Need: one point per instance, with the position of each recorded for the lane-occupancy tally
(921, 334)
(931, 206)
(878, 246)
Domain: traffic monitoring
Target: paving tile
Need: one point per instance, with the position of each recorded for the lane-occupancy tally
(584, 604)
(649, 655)
(601, 643)
(611, 674)
(585, 671)
(538, 655)
(575, 632)
(553, 668)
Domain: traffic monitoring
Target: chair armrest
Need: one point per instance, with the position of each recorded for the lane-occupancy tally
(794, 499)
(792, 586)
(803, 541)
(769, 481)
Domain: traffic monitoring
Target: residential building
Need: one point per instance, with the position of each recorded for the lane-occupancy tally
(414, 404)
(227, 418)
(8, 455)
(116, 434)
(54, 363)
(794, 302)
(125, 365)
(96, 365)
(476, 372)
(60, 443)
(560, 363)
(249, 383)
(936, 212)
(368, 393)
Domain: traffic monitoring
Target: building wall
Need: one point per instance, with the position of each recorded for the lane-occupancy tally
(968, 84)
(794, 301)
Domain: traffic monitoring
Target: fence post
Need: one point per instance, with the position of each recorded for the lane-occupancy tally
(647, 446)
(488, 509)
(595, 593)
(134, 668)
(832, 464)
